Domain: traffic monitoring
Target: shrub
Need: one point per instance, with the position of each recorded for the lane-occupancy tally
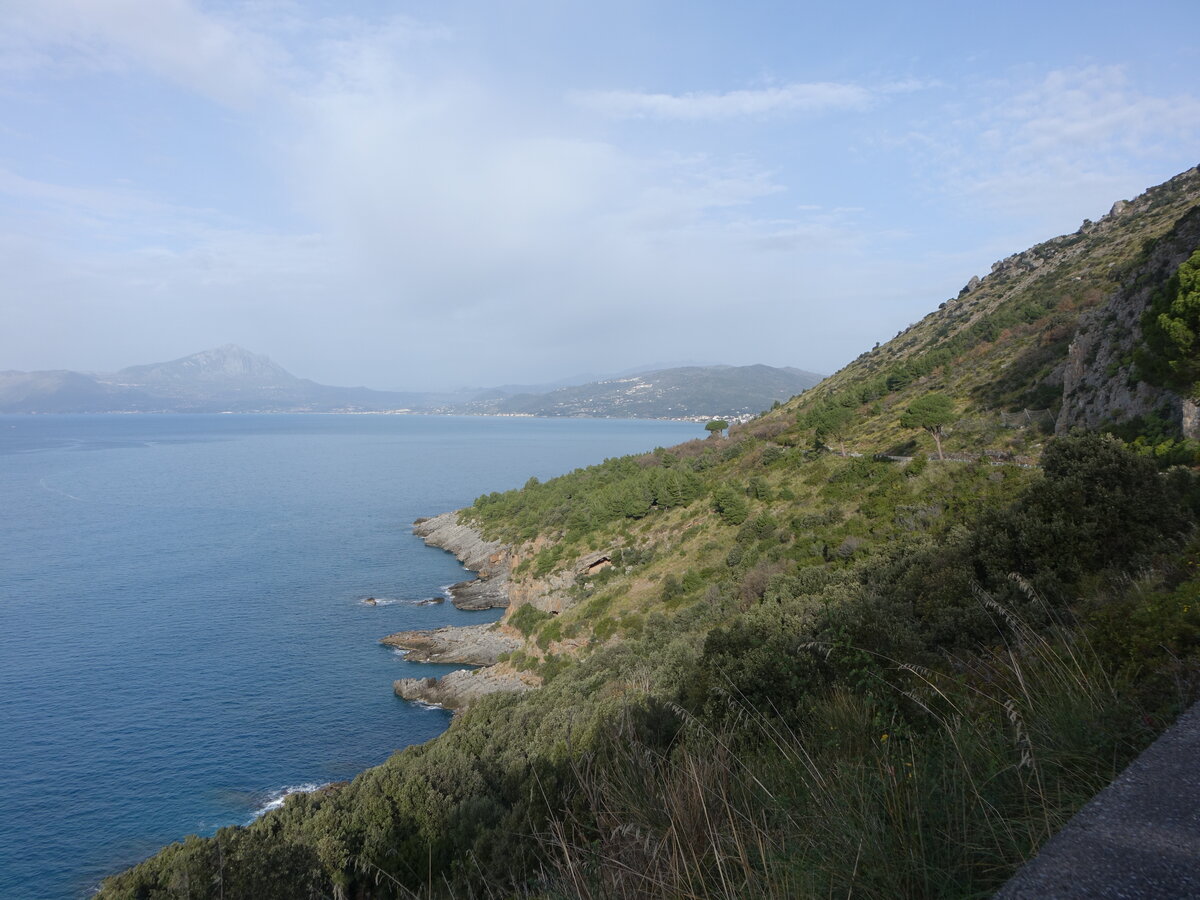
(527, 618)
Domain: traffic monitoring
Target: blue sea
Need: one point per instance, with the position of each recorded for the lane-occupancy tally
(182, 633)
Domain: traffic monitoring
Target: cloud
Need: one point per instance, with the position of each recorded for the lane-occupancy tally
(222, 60)
(1030, 147)
(798, 97)
(437, 220)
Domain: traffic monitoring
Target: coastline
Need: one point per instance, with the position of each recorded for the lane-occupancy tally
(489, 560)
(299, 582)
(478, 646)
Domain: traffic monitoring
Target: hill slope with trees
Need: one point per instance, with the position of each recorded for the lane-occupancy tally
(881, 641)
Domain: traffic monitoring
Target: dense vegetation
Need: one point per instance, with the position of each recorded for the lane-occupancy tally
(937, 705)
(1171, 355)
(804, 672)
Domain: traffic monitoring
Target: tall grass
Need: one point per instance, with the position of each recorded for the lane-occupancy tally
(940, 790)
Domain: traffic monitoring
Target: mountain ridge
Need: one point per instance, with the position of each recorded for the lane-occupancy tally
(223, 379)
(232, 379)
(685, 392)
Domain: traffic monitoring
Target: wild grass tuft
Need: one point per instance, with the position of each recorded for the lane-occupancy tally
(942, 794)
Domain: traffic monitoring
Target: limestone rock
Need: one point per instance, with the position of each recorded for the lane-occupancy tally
(472, 645)
(492, 560)
(459, 689)
(1099, 383)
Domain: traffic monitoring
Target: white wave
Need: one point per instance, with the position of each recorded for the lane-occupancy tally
(391, 601)
(275, 799)
(400, 652)
(55, 490)
(424, 704)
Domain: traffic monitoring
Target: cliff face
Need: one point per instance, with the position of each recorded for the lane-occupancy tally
(1100, 383)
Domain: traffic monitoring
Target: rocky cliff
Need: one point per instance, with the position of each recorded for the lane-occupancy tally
(491, 560)
(1100, 382)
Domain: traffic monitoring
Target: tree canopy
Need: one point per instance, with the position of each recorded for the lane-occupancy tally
(931, 412)
(1171, 355)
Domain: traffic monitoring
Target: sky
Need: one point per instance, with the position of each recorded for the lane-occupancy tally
(426, 195)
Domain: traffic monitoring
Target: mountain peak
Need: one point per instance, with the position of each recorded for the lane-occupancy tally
(226, 363)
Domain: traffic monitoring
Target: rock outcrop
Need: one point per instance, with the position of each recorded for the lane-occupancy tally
(491, 560)
(470, 645)
(459, 689)
(1100, 385)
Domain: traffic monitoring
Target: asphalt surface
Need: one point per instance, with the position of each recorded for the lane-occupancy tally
(1138, 838)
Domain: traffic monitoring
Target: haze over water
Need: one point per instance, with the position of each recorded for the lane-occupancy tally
(182, 635)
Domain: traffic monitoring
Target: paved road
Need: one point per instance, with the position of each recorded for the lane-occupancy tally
(1138, 838)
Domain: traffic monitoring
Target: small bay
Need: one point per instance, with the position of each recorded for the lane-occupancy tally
(182, 632)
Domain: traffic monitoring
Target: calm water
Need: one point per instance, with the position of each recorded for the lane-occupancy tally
(182, 636)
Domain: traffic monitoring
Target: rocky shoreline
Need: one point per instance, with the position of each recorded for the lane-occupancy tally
(471, 645)
(488, 559)
(458, 690)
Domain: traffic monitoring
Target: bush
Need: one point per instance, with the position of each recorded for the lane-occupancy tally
(527, 618)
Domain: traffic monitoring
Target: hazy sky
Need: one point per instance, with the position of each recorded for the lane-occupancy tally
(422, 194)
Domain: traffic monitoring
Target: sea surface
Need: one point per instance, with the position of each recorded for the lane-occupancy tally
(182, 632)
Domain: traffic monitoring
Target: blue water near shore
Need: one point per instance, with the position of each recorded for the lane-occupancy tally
(182, 636)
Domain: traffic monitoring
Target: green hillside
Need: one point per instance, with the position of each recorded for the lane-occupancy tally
(812, 658)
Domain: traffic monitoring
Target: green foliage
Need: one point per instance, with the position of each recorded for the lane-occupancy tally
(931, 412)
(941, 797)
(793, 631)
(730, 504)
(1158, 436)
(1150, 633)
(586, 500)
(843, 692)
(604, 629)
(527, 618)
(759, 489)
(549, 632)
(1099, 508)
(916, 466)
(1170, 355)
(716, 426)
(833, 419)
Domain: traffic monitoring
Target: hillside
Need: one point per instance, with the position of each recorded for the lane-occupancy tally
(813, 658)
(689, 392)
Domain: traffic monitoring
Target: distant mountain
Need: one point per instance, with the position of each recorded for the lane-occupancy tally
(687, 392)
(225, 370)
(232, 379)
(60, 391)
(226, 379)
